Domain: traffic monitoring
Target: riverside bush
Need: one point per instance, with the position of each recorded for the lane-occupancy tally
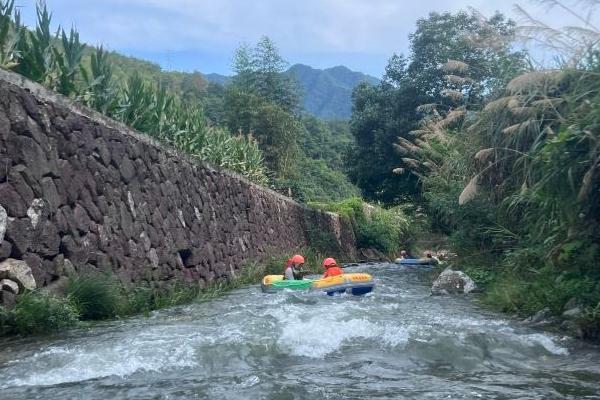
(36, 313)
(374, 227)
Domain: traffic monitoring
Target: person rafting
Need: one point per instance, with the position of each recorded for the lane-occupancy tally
(403, 255)
(331, 268)
(430, 256)
(294, 268)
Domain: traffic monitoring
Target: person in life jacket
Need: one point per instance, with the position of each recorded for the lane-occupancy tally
(434, 259)
(331, 268)
(294, 268)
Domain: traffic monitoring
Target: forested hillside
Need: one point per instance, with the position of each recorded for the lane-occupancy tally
(325, 93)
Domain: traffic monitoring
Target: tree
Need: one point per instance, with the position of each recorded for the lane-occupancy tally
(387, 112)
(261, 101)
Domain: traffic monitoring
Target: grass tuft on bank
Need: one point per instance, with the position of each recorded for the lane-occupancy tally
(384, 229)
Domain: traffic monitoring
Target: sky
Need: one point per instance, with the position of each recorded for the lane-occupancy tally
(202, 35)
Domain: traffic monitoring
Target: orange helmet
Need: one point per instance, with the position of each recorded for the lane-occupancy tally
(329, 262)
(297, 259)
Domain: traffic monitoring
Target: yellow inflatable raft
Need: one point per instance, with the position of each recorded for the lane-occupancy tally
(356, 284)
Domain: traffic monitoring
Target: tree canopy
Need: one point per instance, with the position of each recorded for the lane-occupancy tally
(388, 111)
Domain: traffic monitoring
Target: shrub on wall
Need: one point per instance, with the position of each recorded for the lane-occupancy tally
(374, 227)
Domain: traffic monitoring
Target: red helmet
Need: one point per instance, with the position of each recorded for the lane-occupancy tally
(297, 259)
(329, 262)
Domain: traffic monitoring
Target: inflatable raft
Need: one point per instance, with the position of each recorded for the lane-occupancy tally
(415, 261)
(356, 284)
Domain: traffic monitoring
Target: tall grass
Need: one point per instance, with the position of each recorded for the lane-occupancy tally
(59, 62)
(95, 297)
(37, 313)
(517, 183)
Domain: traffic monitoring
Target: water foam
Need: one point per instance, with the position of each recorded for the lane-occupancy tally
(74, 363)
(545, 341)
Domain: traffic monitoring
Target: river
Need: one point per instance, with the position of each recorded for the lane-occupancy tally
(395, 343)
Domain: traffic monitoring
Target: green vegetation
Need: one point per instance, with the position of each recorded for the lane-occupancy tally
(271, 143)
(392, 110)
(374, 227)
(36, 313)
(305, 155)
(95, 297)
(327, 93)
(504, 157)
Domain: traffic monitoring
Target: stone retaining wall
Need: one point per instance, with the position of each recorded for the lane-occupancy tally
(82, 193)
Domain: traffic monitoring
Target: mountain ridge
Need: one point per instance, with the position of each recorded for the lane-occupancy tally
(326, 93)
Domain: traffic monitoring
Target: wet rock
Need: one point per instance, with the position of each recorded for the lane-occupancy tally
(11, 201)
(8, 299)
(58, 287)
(572, 313)
(5, 250)
(18, 271)
(9, 286)
(540, 317)
(3, 222)
(451, 282)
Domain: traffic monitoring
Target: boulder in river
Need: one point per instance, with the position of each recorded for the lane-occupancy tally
(451, 282)
(18, 271)
(542, 317)
(572, 313)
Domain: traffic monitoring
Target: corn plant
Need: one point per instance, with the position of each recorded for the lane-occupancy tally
(68, 63)
(99, 90)
(36, 49)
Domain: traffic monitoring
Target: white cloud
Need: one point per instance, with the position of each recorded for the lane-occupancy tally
(362, 27)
